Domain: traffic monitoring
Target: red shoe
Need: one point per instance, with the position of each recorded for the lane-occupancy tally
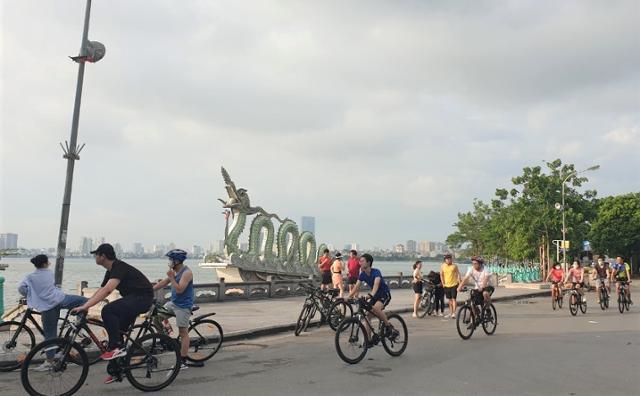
(109, 380)
(113, 354)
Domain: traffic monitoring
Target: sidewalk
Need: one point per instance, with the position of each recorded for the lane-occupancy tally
(250, 319)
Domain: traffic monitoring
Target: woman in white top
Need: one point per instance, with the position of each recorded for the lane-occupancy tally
(417, 286)
(336, 273)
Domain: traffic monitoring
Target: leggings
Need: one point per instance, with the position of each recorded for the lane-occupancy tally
(120, 314)
(439, 293)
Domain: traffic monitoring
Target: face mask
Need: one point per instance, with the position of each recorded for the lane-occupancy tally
(558, 267)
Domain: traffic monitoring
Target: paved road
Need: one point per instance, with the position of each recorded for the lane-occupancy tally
(535, 351)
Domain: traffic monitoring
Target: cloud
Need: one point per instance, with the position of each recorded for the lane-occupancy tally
(382, 120)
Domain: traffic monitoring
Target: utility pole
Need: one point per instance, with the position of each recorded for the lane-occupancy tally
(90, 51)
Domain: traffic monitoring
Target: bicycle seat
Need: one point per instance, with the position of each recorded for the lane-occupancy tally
(195, 308)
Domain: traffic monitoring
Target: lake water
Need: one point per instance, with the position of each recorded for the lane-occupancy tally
(85, 269)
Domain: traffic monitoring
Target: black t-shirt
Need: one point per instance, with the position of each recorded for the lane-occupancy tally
(132, 281)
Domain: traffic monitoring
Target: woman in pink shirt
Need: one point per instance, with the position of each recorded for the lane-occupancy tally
(576, 277)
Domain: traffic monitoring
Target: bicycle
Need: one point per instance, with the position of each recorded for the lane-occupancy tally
(153, 357)
(333, 310)
(468, 317)
(352, 336)
(427, 303)
(558, 300)
(205, 335)
(623, 297)
(575, 301)
(604, 295)
(17, 337)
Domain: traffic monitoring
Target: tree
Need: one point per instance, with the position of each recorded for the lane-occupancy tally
(616, 229)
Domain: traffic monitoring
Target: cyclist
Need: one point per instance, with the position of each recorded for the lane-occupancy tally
(576, 277)
(621, 271)
(483, 283)
(450, 277)
(180, 278)
(42, 295)
(118, 315)
(601, 274)
(556, 276)
(380, 295)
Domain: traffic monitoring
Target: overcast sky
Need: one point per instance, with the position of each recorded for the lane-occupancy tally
(381, 119)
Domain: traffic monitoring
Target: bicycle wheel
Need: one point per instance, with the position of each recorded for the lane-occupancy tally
(621, 302)
(205, 339)
(15, 343)
(603, 298)
(464, 322)
(302, 319)
(339, 312)
(489, 319)
(152, 362)
(606, 302)
(397, 343)
(573, 304)
(560, 301)
(627, 301)
(312, 313)
(432, 304)
(554, 302)
(351, 341)
(64, 377)
(583, 307)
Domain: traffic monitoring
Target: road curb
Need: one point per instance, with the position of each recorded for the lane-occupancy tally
(277, 329)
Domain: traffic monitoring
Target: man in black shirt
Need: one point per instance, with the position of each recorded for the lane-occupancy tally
(136, 292)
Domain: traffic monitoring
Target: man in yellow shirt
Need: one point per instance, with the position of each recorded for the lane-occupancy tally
(450, 276)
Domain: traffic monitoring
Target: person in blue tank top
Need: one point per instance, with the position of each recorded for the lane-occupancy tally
(180, 278)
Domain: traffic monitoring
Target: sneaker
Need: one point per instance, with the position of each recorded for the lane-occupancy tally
(414, 315)
(184, 365)
(45, 366)
(453, 316)
(440, 314)
(447, 316)
(113, 354)
(110, 379)
(194, 364)
(584, 299)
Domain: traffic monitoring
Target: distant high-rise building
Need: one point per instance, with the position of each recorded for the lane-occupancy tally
(412, 246)
(86, 246)
(197, 250)
(308, 223)
(399, 248)
(138, 249)
(8, 241)
(424, 248)
(347, 247)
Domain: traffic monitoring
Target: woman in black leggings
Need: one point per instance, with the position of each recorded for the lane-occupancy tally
(434, 279)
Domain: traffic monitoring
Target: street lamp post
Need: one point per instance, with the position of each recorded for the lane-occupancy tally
(90, 51)
(562, 207)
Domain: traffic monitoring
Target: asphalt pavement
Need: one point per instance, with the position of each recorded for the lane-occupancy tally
(535, 351)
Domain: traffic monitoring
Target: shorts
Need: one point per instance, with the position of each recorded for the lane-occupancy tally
(383, 297)
(417, 287)
(353, 280)
(622, 280)
(600, 282)
(326, 278)
(451, 292)
(478, 297)
(182, 314)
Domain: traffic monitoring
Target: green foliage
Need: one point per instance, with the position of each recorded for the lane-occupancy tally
(522, 218)
(616, 229)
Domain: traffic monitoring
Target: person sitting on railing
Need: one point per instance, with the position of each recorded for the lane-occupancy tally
(43, 295)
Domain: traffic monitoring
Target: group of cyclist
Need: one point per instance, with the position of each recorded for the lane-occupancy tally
(134, 287)
(448, 282)
(602, 274)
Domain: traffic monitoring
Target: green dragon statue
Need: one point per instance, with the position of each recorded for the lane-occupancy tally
(293, 255)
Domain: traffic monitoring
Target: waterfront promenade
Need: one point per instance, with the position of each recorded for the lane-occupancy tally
(535, 351)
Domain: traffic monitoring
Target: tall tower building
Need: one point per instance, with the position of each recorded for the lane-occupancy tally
(412, 246)
(308, 223)
(8, 241)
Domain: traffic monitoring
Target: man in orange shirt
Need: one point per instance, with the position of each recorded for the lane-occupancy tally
(324, 265)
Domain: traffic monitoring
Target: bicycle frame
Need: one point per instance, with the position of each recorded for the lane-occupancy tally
(29, 315)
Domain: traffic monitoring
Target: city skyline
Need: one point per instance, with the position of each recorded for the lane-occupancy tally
(383, 136)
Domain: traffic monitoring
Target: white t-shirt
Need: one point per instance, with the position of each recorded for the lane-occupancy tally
(479, 277)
